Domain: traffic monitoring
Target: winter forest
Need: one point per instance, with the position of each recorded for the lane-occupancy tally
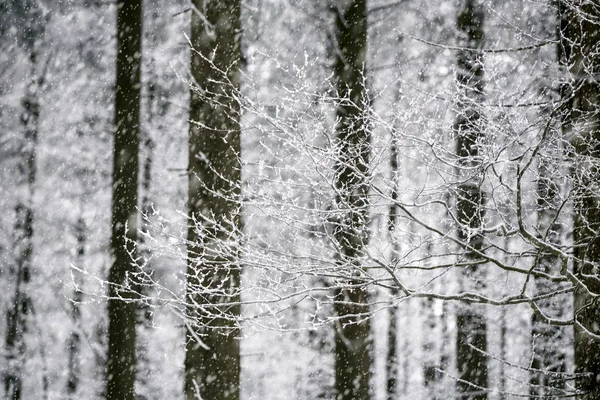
(299, 199)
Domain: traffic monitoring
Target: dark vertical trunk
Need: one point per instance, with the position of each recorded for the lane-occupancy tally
(548, 355)
(21, 306)
(432, 348)
(392, 353)
(352, 338)
(121, 359)
(431, 355)
(74, 340)
(212, 360)
(471, 342)
(581, 43)
(503, 355)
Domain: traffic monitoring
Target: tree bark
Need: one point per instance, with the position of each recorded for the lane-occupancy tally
(431, 355)
(352, 338)
(121, 357)
(392, 353)
(471, 341)
(212, 361)
(392, 360)
(581, 44)
(21, 306)
(548, 357)
(74, 340)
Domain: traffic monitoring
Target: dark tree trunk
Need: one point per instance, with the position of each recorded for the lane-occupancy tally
(74, 340)
(502, 395)
(392, 353)
(432, 357)
(548, 354)
(352, 338)
(121, 358)
(581, 44)
(471, 342)
(21, 305)
(212, 360)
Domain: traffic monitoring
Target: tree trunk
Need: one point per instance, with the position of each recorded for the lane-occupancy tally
(432, 349)
(502, 395)
(581, 42)
(212, 361)
(21, 306)
(121, 358)
(431, 355)
(471, 341)
(74, 341)
(548, 361)
(352, 338)
(392, 353)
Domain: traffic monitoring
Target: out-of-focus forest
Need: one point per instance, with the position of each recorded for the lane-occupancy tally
(299, 199)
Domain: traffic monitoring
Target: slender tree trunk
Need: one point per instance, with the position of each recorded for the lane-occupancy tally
(503, 354)
(471, 341)
(352, 339)
(74, 340)
(392, 354)
(212, 360)
(581, 43)
(21, 306)
(121, 358)
(392, 361)
(548, 355)
(431, 355)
